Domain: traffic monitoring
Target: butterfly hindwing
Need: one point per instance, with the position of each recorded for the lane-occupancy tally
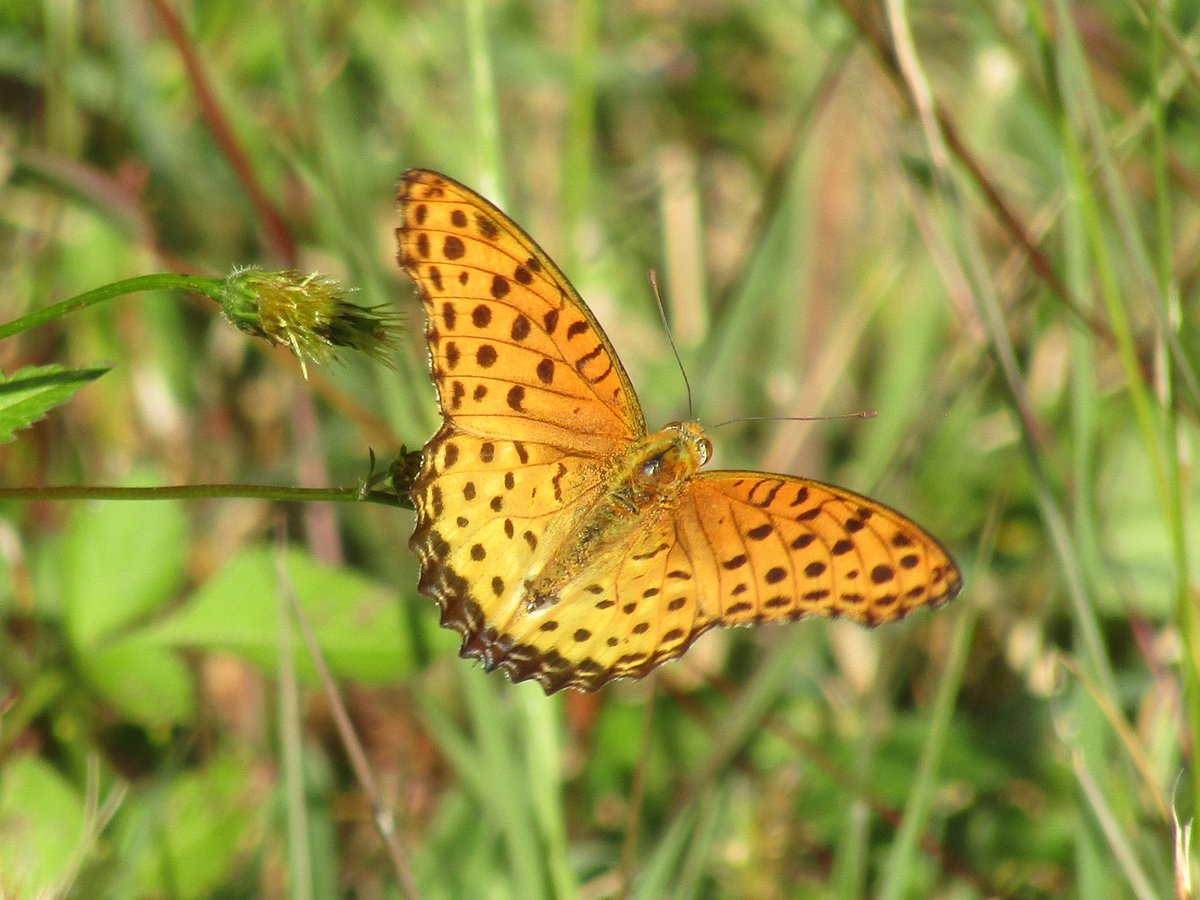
(621, 616)
(784, 548)
(488, 513)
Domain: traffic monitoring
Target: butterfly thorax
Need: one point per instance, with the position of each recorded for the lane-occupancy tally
(657, 466)
(644, 482)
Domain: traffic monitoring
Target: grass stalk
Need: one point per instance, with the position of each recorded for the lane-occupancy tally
(485, 102)
(898, 870)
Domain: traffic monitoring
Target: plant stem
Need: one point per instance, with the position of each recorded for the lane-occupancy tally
(198, 491)
(162, 281)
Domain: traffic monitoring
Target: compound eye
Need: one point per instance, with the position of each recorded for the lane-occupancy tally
(706, 450)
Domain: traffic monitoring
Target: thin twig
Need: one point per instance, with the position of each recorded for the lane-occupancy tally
(1011, 222)
(385, 819)
(279, 236)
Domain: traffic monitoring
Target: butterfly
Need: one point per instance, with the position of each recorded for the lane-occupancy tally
(560, 538)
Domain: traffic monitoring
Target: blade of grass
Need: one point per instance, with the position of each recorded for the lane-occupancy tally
(1149, 417)
(98, 817)
(902, 857)
(1129, 740)
(957, 227)
(852, 864)
(385, 820)
(735, 316)
(1033, 434)
(342, 187)
(657, 875)
(291, 741)
(543, 751)
(507, 788)
(630, 841)
(278, 232)
(701, 849)
(485, 102)
(577, 161)
(1172, 314)
(749, 706)
(1122, 850)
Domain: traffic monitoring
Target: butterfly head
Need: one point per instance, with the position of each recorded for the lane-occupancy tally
(675, 453)
(690, 436)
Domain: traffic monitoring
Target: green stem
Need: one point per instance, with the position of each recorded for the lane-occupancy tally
(162, 281)
(581, 125)
(199, 492)
(487, 138)
(1171, 315)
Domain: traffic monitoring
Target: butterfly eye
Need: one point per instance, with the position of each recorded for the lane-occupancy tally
(706, 450)
(652, 466)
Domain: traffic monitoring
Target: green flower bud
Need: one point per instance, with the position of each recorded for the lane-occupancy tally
(309, 314)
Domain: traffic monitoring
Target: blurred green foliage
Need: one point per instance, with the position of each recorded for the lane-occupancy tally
(823, 248)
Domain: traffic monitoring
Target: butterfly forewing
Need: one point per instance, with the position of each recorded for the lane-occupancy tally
(514, 352)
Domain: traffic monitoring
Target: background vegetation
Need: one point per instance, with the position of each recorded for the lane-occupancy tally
(980, 219)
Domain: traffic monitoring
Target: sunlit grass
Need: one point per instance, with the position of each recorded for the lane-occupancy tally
(981, 223)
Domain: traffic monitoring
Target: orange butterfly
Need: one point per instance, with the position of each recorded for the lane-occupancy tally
(563, 541)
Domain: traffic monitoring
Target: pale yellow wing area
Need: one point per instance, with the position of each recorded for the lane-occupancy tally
(775, 547)
(513, 350)
(630, 609)
(490, 513)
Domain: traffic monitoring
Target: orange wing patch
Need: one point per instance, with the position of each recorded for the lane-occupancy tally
(513, 350)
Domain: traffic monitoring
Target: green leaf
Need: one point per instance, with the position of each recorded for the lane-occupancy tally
(357, 621)
(33, 391)
(41, 823)
(149, 684)
(121, 561)
(183, 843)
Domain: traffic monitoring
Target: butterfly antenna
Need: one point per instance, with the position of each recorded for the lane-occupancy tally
(662, 314)
(861, 414)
